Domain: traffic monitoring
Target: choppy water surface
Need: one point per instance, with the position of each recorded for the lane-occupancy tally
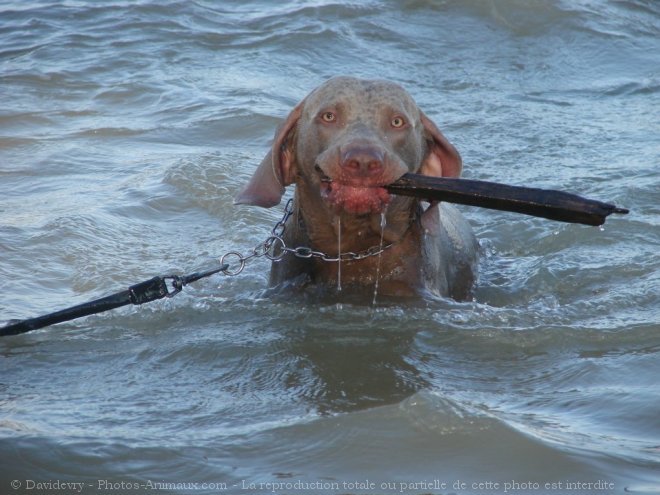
(127, 127)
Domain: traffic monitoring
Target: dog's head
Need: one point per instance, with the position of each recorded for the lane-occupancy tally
(345, 141)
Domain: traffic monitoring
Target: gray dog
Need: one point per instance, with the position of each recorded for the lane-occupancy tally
(340, 146)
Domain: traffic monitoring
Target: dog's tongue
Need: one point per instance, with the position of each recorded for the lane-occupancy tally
(357, 200)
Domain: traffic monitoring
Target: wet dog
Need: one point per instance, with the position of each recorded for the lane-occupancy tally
(340, 145)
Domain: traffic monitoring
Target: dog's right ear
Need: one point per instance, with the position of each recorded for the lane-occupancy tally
(278, 168)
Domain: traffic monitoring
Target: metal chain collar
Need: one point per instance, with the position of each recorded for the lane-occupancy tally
(274, 248)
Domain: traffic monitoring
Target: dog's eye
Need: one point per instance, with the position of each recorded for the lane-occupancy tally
(398, 122)
(328, 117)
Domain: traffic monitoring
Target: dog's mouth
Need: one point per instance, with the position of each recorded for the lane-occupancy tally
(356, 197)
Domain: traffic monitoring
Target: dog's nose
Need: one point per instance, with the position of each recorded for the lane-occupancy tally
(362, 160)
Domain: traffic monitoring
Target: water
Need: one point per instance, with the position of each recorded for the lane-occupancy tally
(338, 253)
(127, 127)
(383, 224)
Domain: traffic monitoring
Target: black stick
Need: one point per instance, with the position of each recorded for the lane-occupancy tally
(545, 203)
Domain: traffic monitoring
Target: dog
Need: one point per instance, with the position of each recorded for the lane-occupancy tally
(340, 145)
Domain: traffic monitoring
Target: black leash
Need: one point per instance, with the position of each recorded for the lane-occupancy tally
(144, 292)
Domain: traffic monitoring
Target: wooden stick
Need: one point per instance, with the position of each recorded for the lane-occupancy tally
(545, 203)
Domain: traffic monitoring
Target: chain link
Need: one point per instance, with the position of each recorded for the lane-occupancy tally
(274, 248)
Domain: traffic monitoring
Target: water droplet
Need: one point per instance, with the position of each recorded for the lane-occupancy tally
(383, 223)
(339, 254)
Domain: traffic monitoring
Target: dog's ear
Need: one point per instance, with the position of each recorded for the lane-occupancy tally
(278, 168)
(442, 159)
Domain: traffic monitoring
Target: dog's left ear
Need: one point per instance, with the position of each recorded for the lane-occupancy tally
(442, 159)
(278, 168)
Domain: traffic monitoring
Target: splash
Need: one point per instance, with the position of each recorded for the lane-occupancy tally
(383, 224)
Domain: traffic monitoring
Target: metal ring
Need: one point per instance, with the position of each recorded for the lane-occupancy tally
(272, 243)
(240, 258)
